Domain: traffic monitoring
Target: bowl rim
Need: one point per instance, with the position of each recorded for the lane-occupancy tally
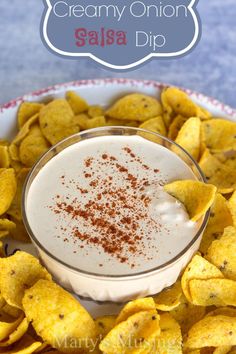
(76, 270)
(50, 90)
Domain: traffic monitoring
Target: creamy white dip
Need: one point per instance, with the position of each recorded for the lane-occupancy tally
(99, 206)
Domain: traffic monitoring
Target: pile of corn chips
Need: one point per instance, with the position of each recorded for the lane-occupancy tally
(197, 314)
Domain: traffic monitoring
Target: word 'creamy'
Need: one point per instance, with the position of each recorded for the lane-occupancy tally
(136, 9)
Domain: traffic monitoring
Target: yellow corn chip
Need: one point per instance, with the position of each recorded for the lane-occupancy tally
(16, 335)
(16, 165)
(212, 331)
(14, 152)
(77, 103)
(232, 207)
(58, 317)
(132, 307)
(7, 225)
(44, 348)
(170, 339)
(15, 208)
(176, 102)
(226, 157)
(175, 126)
(222, 350)
(217, 292)
(198, 268)
(105, 324)
(8, 325)
(225, 311)
(222, 253)
(96, 122)
(219, 135)
(18, 273)
(57, 352)
(95, 111)
(155, 125)
(2, 301)
(19, 233)
(11, 311)
(85, 122)
(82, 121)
(170, 298)
(4, 142)
(135, 335)
(119, 122)
(210, 350)
(220, 217)
(33, 146)
(233, 351)
(26, 111)
(230, 160)
(217, 173)
(189, 137)
(136, 106)
(57, 121)
(7, 189)
(197, 197)
(95, 350)
(2, 254)
(24, 131)
(27, 345)
(4, 157)
(4, 234)
(186, 314)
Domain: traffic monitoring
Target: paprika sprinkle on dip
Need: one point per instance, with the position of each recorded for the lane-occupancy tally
(114, 214)
(100, 204)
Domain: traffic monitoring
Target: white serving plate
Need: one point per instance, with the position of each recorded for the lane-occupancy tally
(103, 92)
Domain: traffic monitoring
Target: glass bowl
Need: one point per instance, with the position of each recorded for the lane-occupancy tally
(110, 287)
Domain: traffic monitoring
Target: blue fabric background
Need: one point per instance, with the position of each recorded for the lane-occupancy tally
(26, 65)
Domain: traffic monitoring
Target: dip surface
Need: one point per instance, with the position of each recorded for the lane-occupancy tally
(99, 206)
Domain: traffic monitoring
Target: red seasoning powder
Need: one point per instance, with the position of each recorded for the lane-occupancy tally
(112, 218)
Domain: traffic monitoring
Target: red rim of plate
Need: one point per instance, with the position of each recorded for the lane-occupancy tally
(229, 111)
